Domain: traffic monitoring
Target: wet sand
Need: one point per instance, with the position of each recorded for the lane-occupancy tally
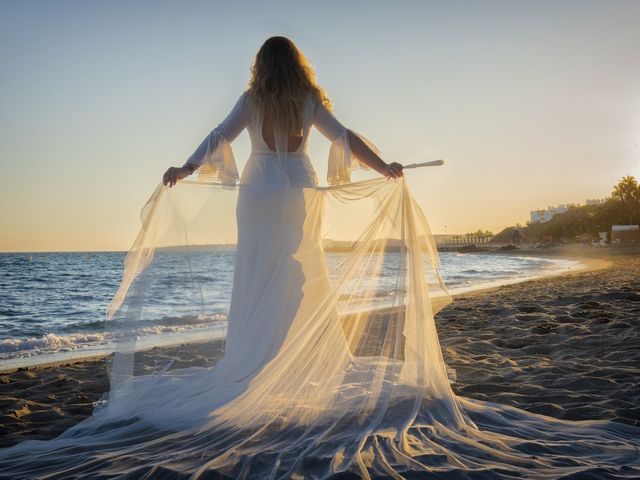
(566, 346)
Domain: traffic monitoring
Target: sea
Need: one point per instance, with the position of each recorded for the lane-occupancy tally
(53, 305)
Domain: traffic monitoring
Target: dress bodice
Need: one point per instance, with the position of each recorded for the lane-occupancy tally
(214, 157)
(258, 143)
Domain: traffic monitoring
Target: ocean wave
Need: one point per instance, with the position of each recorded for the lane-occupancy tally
(54, 342)
(51, 341)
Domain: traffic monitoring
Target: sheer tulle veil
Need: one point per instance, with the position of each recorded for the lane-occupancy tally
(320, 357)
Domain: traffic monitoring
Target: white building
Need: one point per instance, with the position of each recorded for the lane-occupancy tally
(541, 216)
(450, 239)
(602, 238)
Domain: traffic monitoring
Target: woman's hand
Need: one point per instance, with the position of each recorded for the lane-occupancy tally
(393, 170)
(173, 174)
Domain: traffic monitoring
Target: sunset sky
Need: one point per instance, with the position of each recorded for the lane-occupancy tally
(531, 104)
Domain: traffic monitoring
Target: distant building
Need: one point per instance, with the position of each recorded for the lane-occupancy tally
(625, 234)
(466, 239)
(541, 216)
(604, 237)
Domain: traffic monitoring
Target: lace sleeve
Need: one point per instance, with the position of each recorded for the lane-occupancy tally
(342, 161)
(214, 157)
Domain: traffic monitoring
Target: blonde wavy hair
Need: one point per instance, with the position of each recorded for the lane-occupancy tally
(281, 78)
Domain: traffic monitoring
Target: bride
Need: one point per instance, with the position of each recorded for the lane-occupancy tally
(281, 104)
(320, 359)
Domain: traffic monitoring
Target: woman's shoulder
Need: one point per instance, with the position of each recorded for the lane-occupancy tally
(245, 102)
(315, 101)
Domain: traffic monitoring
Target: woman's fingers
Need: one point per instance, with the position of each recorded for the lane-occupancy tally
(397, 169)
(170, 177)
(394, 170)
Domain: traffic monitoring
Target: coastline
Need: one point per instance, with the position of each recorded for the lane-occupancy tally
(565, 345)
(95, 352)
(588, 261)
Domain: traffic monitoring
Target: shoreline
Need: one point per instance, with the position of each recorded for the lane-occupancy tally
(563, 345)
(587, 263)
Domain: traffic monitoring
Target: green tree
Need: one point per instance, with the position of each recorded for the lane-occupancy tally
(627, 194)
(623, 207)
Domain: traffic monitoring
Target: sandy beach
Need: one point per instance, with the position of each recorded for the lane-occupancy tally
(566, 346)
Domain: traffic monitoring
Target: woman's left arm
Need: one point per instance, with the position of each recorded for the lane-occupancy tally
(344, 138)
(366, 155)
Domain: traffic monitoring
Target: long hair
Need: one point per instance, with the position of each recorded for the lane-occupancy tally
(281, 79)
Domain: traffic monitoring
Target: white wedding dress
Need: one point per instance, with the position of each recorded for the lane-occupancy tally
(330, 363)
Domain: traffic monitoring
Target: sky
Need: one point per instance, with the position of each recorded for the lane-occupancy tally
(530, 104)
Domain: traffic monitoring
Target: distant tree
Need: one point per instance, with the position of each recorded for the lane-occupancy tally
(609, 213)
(623, 207)
(627, 193)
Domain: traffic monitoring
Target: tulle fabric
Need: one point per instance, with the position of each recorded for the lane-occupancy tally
(291, 241)
(328, 362)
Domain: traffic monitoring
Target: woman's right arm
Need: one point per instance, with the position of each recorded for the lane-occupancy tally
(226, 131)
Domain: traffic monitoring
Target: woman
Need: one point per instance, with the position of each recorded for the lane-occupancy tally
(281, 104)
(327, 369)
